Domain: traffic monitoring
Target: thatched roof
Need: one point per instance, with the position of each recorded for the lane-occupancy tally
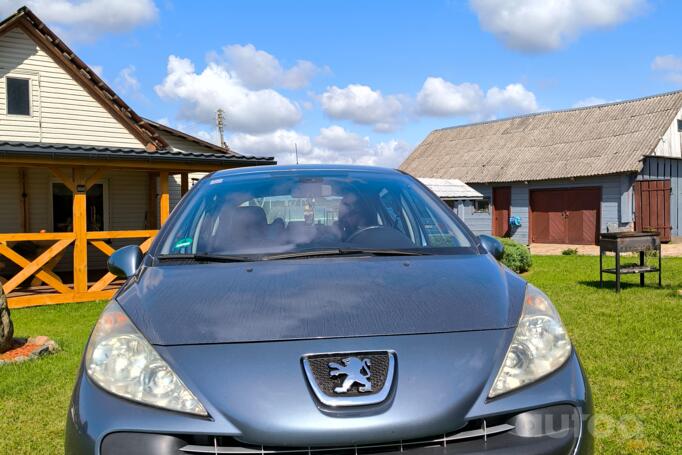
(598, 140)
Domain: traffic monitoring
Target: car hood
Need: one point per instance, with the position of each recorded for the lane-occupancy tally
(177, 304)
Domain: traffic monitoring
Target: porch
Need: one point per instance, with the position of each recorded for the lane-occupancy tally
(60, 219)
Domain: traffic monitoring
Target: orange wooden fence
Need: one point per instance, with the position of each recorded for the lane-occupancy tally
(41, 267)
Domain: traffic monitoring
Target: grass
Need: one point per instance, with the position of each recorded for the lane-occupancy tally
(34, 395)
(630, 344)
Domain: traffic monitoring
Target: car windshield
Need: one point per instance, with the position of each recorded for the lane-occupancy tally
(279, 213)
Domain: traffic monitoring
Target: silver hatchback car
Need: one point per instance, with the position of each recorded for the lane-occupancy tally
(327, 310)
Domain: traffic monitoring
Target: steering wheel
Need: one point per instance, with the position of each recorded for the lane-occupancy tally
(380, 237)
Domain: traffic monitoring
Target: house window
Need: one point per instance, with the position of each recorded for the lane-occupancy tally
(481, 206)
(679, 125)
(18, 96)
(62, 208)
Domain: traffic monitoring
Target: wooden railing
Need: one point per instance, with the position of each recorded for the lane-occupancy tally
(52, 247)
(96, 239)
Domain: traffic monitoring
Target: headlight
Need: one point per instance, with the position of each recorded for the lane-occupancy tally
(120, 360)
(540, 345)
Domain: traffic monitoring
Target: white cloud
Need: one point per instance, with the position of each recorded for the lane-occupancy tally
(389, 153)
(201, 94)
(590, 101)
(363, 105)
(126, 81)
(282, 144)
(667, 63)
(439, 97)
(513, 99)
(546, 25)
(338, 139)
(442, 98)
(670, 66)
(86, 20)
(258, 69)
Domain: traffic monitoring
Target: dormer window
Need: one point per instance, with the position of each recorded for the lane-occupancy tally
(18, 96)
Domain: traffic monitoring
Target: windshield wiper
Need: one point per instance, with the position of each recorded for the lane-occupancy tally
(344, 252)
(204, 257)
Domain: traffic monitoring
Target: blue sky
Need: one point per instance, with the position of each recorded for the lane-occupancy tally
(366, 81)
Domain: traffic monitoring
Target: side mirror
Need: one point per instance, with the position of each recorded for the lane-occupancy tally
(125, 261)
(492, 245)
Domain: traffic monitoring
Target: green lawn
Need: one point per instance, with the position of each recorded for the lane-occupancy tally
(630, 345)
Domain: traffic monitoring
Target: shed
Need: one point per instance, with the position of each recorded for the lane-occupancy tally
(455, 193)
(567, 175)
(451, 189)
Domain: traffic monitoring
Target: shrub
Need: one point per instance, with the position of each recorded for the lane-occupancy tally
(570, 252)
(516, 256)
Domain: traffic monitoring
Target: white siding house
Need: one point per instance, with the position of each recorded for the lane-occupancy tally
(62, 111)
(81, 173)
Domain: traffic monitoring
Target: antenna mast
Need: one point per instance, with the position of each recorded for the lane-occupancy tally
(220, 120)
(296, 149)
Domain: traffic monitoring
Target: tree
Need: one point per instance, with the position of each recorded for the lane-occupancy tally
(6, 327)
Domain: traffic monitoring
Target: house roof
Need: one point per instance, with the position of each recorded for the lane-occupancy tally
(597, 140)
(172, 131)
(451, 188)
(64, 151)
(145, 130)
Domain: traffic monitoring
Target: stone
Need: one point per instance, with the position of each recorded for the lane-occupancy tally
(6, 326)
(41, 340)
(42, 350)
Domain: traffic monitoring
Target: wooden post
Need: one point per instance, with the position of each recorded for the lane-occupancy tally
(80, 230)
(184, 183)
(25, 221)
(152, 203)
(164, 198)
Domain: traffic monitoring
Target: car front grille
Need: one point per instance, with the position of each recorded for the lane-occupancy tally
(320, 366)
(479, 429)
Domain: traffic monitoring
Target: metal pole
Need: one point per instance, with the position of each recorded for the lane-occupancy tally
(617, 269)
(220, 120)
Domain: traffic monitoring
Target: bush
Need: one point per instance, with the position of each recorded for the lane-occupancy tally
(516, 256)
(570, 252)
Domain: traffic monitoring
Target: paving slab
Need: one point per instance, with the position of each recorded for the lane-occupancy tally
(548, 249)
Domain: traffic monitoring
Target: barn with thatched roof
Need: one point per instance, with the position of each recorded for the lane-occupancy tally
(565, 176)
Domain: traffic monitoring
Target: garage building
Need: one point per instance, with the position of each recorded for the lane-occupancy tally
(565, 176)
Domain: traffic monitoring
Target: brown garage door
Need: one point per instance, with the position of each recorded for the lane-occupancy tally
(565, 215)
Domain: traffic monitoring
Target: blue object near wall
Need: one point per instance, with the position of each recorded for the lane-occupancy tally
(514, 221)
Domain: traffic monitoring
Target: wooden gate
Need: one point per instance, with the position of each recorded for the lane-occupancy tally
(569, 216)
(652, 207)
(501, 210)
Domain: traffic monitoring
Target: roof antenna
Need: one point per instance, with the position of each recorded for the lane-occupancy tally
(220, 120)
(296, 148)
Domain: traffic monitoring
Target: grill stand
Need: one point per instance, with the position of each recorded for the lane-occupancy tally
(629, 242)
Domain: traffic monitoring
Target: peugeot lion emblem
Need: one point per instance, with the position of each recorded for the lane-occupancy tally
(356, 371)
(356, 378)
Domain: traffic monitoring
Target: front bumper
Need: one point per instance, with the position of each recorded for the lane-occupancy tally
(548, 417)
(552, 430)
